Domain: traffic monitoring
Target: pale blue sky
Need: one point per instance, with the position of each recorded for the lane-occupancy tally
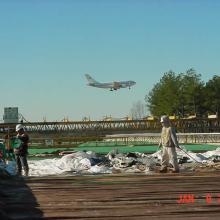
(46, 47)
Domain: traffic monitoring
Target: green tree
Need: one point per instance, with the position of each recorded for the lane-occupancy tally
(164, 97)
(191, 89)
(212, 97)
(178, 94)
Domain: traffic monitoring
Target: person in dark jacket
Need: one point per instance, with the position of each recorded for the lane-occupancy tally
(21, 151)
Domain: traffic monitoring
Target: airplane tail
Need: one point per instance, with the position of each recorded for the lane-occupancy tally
(90, 79)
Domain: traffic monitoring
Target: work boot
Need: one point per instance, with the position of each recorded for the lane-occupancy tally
(175, 171)
(18, 173)
(163, 170)
(26, 173)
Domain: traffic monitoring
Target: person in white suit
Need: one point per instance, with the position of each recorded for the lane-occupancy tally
(169, 143)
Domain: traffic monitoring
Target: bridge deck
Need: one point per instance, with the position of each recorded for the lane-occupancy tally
(113, 197)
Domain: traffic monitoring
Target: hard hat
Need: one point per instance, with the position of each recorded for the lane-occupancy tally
(19, 127)
(164, 118)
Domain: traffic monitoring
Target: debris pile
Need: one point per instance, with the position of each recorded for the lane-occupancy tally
(114, 162)
(82, 162)
(132, 162)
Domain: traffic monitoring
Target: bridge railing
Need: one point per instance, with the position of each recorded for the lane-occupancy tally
(154, 138)
(109, 127)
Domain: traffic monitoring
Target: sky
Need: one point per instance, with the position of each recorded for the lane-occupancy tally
(46, 47)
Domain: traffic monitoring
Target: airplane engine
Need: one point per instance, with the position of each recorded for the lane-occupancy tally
(116, 85)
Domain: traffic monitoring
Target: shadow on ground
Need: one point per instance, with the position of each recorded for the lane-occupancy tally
(17, 200)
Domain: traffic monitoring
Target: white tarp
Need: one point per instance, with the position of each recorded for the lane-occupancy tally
(90, 163)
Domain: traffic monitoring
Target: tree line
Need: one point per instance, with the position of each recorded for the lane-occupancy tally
(184, 94)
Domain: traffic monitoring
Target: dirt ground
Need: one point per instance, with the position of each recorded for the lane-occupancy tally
(186, 195)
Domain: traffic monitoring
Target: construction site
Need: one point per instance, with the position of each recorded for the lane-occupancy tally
(110, 170)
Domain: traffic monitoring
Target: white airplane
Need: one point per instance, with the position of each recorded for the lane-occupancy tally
(112, 85)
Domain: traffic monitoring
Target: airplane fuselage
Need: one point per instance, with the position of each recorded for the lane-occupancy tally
(112, 85)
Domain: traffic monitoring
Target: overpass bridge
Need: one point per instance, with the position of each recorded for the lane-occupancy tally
(100, 128)
(67, 134)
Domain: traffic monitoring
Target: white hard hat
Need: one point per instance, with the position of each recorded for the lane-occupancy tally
(164, 118)
(19, 127)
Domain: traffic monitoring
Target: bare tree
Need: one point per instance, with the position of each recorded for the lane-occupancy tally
(138, 110)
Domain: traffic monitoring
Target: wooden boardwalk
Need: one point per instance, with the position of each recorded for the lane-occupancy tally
(116, 196)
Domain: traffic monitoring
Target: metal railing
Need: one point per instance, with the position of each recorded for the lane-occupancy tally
(110, 127)
(154, 138)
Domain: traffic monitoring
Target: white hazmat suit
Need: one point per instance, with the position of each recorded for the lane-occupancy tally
(168, 142)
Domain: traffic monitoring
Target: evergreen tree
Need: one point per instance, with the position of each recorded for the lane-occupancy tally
(164, 97)
(191, 93)
(212, 97)
(179, 94)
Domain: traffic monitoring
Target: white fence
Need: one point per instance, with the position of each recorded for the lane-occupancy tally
(154, 138)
